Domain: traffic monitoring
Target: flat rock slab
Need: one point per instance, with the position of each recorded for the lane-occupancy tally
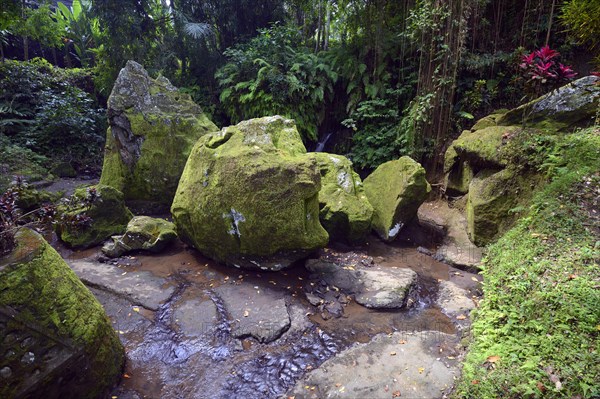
(397, 365)
(452, 299)
(373, 287)
(196, 317)
(255, 312)
(141, 288)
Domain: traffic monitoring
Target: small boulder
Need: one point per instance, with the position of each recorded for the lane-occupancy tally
(345, 211)
(482, 148)
(452, 299)
(373, 287)
(248, 196)
(152, 129)
(104, 205)
(143, 233)
(395, 189)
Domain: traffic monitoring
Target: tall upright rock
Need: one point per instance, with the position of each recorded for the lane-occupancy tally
(152, 129)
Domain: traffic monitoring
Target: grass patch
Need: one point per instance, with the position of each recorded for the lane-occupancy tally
(535, 334)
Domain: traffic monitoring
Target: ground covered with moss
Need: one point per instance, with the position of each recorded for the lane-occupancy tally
(535, 335)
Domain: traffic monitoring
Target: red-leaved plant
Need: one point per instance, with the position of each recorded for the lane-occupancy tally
(541, 69)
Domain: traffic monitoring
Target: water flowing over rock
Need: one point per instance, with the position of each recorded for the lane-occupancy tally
(108, 214)
(55, 339)
(345, 211)
(248, 196)
(152, 129)
(143, 233)
(395, 189)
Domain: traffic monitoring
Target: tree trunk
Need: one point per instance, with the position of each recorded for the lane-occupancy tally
(26, 48)
(550, 22)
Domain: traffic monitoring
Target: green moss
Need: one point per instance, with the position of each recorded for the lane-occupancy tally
(458, 179)
(395, 189)
(541, 309)
(162, 125)
(483, 148)
(244, 193)
(108, 213)
(44, 291)
(345, 211)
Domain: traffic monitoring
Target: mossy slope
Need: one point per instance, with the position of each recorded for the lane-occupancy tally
(536, 332)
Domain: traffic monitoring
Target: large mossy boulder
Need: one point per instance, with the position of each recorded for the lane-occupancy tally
(55, 339)
(152, 129)
(104, 205)
(573, 105)
(345, 211)
(395, 189)
(143, 233)
(248, 196)
(493, 201)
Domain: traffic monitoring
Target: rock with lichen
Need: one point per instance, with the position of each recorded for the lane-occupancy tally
(395, 189)
(56, 339)
(143, 233)
(249, 196)
(152, 129)
(92, 215)
(345, 211)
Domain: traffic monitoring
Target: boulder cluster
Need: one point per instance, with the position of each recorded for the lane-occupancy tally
(248, 195)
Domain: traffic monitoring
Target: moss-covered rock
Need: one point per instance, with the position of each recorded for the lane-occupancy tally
(143, 233)
(494, 197)
(152, 129)
(573, 105)
(489, 120)
(248, 196)
(345, 211)
(57, 339)
(107, 210)
(395, 189)
(458, 178)
(483, 148)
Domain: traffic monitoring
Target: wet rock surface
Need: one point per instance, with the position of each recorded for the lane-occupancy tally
(452, 299)
(456, 248)
(420, 365)
(373, 287)
(205, 337)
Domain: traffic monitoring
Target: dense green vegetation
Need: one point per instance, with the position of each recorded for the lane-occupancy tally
(536, 331)
(379, 78)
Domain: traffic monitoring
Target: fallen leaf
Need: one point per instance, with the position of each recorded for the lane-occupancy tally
(450, 357)
(541, 387)
(136, 309)
(461, 317)
(338, 385)
(396, 394)
(492, 359)
(126, 375)
(421, 369)
(246, 313)
(474, 382)
(386, 388)
(402, 342)
(474, 279)
(393, 354)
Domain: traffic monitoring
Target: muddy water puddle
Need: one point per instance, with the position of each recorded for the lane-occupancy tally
(186, 349)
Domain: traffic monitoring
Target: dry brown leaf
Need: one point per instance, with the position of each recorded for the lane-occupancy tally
(461, 317)
(402, 342)
(492, 359)
(396, 394)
